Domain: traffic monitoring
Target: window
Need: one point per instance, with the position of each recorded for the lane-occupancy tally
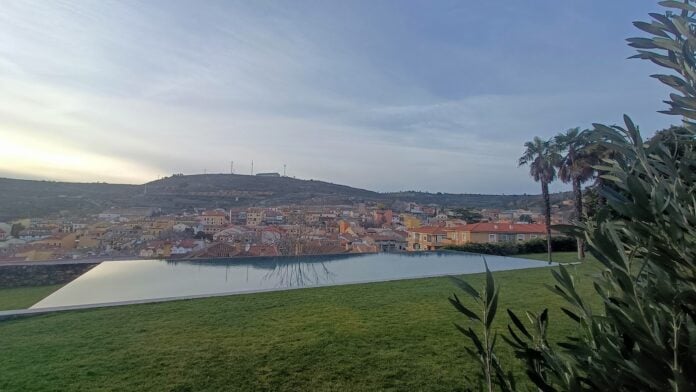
(520, 237)
(534, 236)
(491, 237)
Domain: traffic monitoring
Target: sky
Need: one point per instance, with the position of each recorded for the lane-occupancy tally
(395, 95)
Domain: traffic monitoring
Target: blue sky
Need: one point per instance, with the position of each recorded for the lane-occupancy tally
(385, 95)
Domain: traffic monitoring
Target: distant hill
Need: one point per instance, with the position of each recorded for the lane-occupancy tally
(224, 190)
(27, 198)
(471, 200)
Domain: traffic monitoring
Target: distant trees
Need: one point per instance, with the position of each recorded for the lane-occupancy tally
(542, 159)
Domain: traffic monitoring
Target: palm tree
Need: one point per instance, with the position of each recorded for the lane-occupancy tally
(595, 152)
(575, 167)
(541, 156)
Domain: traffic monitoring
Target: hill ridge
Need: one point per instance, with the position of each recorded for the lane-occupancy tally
(34, 198)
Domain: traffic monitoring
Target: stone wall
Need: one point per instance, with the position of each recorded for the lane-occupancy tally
(41, 275)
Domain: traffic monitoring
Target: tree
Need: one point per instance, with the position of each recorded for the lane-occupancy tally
(644, 336)
(468, 215)
(525, 218)
(542, 158)
(575, 167)
(16, 229)
(669, 137)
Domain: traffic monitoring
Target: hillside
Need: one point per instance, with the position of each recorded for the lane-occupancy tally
(224, 190)
(26, 198)
(476, 200)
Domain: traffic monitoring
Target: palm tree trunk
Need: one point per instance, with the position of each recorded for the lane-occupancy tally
(547, 215)
(577, 191)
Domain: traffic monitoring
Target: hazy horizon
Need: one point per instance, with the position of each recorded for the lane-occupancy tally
(432, 96)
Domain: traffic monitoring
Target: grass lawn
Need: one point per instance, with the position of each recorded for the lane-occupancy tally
(559, 257)
(24, 297)
(380, 336)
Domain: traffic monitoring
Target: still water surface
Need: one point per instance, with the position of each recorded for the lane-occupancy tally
(137, 280)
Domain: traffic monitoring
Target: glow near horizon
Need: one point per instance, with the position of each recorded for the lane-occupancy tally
(388, 96)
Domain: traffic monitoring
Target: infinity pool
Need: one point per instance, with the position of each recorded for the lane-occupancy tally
(143, 280)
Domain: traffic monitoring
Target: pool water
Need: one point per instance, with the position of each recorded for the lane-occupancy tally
(142, 280)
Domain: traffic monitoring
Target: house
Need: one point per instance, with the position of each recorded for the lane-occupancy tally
(159, 249)
(3, 235)
(271, 235)
(216, 250)
(213, 218)
(505, 232)
(186, 246)
(235, 234)
(61, 240)
(148, 252)
(273, 217)
(254, 216)
(494, 232)
(382, 217)
(426, 238)
(389, 242)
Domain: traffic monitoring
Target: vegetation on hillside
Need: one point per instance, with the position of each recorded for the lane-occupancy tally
(25, 198)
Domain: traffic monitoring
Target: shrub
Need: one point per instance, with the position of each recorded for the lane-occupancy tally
(538, 245)
(644, 337)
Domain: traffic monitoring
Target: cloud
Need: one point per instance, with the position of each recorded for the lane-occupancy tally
(383, 97)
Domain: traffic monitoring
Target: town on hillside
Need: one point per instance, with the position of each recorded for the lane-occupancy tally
(145, 232)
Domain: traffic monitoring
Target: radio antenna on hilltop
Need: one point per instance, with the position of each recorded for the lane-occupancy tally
(252, 167)
(231, 167)
(284, 169)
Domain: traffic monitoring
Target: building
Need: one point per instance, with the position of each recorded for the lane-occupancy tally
(216, 250)
(186, 246)
(382, 217)
(503, 232)
(434, 237)
(235, 234)
(426, 238)
(61, 240)
(390, 242)
(3, 235)
(254, 216)
(268, 174)
(213, 218)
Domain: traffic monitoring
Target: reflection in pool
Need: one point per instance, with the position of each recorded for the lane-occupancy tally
(138, 280)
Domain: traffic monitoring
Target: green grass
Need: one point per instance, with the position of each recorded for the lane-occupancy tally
(558, 257)
(24, 297)
(381, 336)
